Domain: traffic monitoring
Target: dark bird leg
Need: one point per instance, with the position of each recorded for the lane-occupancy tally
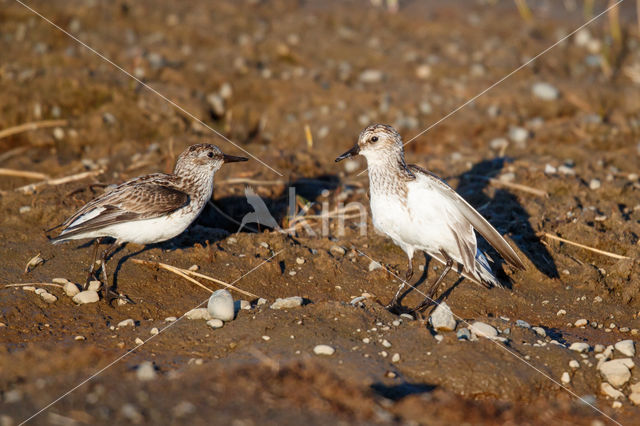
(434, 287)
(92, 267)
(394, 305)
(108, 293)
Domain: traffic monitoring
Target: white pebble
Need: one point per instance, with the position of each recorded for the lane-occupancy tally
(323, 350)
(215, 323)
(616, 371)
(544, 91)
(442, 318)
(549, 169)
(266, 338)
(539, 331)
(221, 305)
(94, 285)
(139, 341)
(561, 312)
(79, 338)
(373, 265)
(286, 303)
(261, 301)
(565, 379)
(482, 329)
(609, 391)
(616, 404)
(581, 322)
(395, 358)
(61, 281)
(131, 413)
(518, 135)
(127, 323)
(87, 296)
(579, 347)
(594, 184)
(300, 260)
(626, 348)
(386, 343)
(154, 331)
(48, 297)
(146, 371)
(574, 364)
(170, 319)
(371, 76)
(70, 289)
(198, 314)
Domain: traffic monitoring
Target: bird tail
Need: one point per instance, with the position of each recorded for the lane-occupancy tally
(483, 272)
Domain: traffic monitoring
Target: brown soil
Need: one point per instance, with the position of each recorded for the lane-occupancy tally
(292, 64)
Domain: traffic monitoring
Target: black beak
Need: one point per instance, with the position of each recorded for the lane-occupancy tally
(353, 151)
(232, 158)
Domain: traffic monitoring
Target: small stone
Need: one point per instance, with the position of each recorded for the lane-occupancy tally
(198, 314)
(146, 371)
(194, 268)
(616, 404)
(549, 169)
(371, 76)
(131, 413)
(170, 319)
(127, 323)
(70, 289)
(373, 265)
(395, 358)
(216, 103)
(635, 398)
(482, 329)
(616, 371)
(221, 305)
(87, 296)
(94, 285)
(626, 348)
(544, 91)
(79, 338)
(463, 334)
(539, 331)
(323, 350)
(266, 338)
(61, 281)
(337, 250)
(499, 144)
(594, 184)
(48, 297)
(608, 390)
(154, 331)
(565, 379)
(561, 312)
(215, 323)
(58, 134)
(423, 71)
(442, 318)
(13, 396)
(226, 91)
(523, 324)
(581, 322)
(579, 347)
(287, 303)
(518, 135)
(300, 260)
(386, 343)
(598, 348)
(183, 409)
(244, 304)
(261, 301)
(574, 364)
(439, 337)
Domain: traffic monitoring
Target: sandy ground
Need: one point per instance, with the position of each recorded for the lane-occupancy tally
(335, 67)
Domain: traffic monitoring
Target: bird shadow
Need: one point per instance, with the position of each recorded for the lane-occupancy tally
(506, 213)
(402, 390)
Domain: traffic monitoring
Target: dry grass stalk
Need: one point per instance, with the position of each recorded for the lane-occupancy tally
(34, 285)
(23, 174)
(595, 250)
(308, 136)
(31, 126)
(59, 181)
(185, 273)
(518, 186)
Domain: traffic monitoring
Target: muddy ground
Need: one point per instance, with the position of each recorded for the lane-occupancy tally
(335, 67)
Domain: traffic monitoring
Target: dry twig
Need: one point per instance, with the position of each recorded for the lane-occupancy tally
(518, 186)
(595, 250)
(23, 174)
(34, 285)
(31, 126)
(184, 273)
(59, 181)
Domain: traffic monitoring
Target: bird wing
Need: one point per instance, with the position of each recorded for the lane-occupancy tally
(142, 198)
(476, 220)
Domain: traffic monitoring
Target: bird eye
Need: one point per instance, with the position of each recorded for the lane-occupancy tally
(374, 139)
(210, 154)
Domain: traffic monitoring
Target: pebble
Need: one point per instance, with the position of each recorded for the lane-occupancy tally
(287, 302)
(221, 305)
(579, 347)
(266, 338)
(215, 323)
(127, 323)
(184, 408)
(442, 318)
(395, 358)
(154, 331)
(198, 314)
(61, 281)
(139, 341)
(463, 334)
(146, 371)
(565, 379)
(616, 404)
(216, 102)
(518, 135)
(616, 371)
(598, 348)
(323, 350)
(371, 76)
(549, 169)
(386, 343)
(482, 329)
(561, 312)
(337, 250)
(574, 364)
(539, 331)
(261, 301)
(544, 91)
(499, 144)
(374, 265)
(626, 348)
(130, 412)
(407, 316)
(244, 304)
(79, 338)
(300, 260)
(70, 289)
(48, 297)
(523, 324)
(581, 322)
(170, 319)
(423, 71)
(609, 390)
(594, 184)
(439, 337)
(87, 296)
(94, 285)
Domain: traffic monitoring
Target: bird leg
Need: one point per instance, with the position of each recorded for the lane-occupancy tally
(92, 267)
(394, 304)
(434, 287)
(108, 293)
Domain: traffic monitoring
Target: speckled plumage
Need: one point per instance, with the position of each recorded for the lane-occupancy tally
(419, 211)
(152, 208)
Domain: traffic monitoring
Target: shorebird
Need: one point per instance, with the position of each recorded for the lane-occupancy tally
(419, 211)
(148, 209)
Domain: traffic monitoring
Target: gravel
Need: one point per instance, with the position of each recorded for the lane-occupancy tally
(221, 305)
(287, 303)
